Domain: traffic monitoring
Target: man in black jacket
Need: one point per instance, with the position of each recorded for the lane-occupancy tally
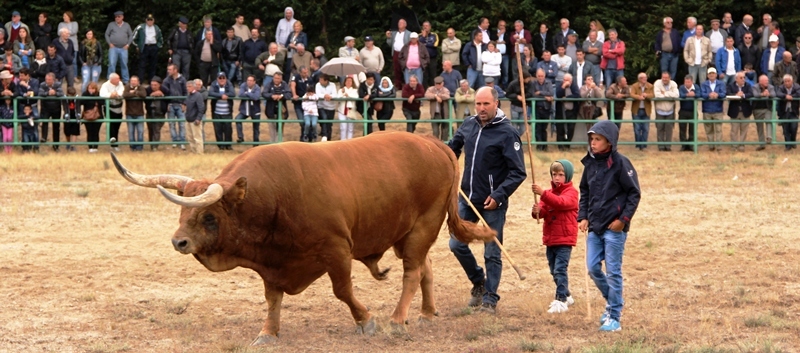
(206, 53)
(277, 91)
(789, 95)
(515, 96)
(494, 168)
(181, 46)
(155, 109)
(231, 48)
(251, 49)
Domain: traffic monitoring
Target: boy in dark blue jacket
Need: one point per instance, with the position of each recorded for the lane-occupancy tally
(609, 198)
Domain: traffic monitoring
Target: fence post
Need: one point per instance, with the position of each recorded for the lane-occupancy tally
(450, 117)
(280, 120)
(365, 116)
(695, 124)
(772, 115)
(106, 118)
(15, 122)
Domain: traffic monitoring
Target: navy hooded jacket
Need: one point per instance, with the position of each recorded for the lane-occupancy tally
(493, 163)
(609, 185)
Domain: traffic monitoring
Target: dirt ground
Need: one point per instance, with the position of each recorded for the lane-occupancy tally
(711, 265)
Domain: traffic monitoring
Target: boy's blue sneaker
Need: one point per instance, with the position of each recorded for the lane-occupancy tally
(604, 317)
(610, 325)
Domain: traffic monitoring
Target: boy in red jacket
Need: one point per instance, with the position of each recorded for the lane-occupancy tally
(559, 210)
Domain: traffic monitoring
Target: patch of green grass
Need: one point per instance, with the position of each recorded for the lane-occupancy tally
(730, 251)
(759, 347)
(758, 321)
(648, 244)
(782, 182)
(87, 298)
(619, 347)
(543, 158)
(465, 312)
(532, 346)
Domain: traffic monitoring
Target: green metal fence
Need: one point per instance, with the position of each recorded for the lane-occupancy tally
(696, 122)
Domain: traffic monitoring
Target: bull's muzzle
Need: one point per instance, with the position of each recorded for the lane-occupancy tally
(181, 245)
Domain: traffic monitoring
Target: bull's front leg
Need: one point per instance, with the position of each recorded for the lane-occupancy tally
(269, 333)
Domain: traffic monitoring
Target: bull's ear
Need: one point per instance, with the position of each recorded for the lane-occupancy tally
(238, 192)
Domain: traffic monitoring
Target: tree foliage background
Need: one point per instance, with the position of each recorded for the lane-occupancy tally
(327, 22)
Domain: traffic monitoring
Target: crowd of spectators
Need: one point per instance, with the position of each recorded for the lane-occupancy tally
(255, 69)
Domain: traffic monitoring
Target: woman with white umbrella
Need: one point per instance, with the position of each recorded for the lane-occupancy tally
(346, 109)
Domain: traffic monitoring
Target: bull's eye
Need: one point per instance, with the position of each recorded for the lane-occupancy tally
(210, 222)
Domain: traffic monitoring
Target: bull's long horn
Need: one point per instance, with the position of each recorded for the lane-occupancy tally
(212, 194)
(174, 182)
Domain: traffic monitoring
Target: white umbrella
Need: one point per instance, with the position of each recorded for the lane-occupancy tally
(342, 67)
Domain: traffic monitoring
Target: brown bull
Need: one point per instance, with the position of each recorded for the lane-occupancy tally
(293, 212)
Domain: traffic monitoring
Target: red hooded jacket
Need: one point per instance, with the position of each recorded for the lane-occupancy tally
(559, 210)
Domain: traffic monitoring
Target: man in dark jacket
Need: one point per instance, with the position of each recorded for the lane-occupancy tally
(51, 108)
(609, 197)
(55, 64)
(750, 52)
(206, 54)
(470, 57)
(181, 46)
(155, 109)
(668, 47)
(26, 88)
(195, 111)
(515, 96)
(175, 86)
(739, 110)
(251, 49)
(222, 108)
(231, 48)
(367, 91)
(249, 107)
(66, 50)
(147, 39)
(565, 110)
(277, 91)
(494, 168)
(299, 85)
(542, 89)
(789, 95)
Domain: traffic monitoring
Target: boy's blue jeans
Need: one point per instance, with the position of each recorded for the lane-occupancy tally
(491, 253)
(558, 258)
(608, 247)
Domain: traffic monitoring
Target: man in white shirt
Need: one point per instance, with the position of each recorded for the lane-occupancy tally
(397, 40)
(564, 62)
(665, 110)
(581, 68)
(771, 55)
(147, 39)
(483, 26)
(717, 38)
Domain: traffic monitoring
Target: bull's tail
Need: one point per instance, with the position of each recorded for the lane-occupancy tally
(464, 231)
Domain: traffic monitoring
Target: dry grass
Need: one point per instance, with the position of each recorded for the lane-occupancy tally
(711, 265)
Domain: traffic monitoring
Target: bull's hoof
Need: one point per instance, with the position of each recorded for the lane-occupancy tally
(368, 328)
(424, 320)
(398, 329)
(263, 340)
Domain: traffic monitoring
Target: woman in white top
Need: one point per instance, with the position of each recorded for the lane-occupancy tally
(597, 27)
(350, 91)
(491, 61)
(72, 26)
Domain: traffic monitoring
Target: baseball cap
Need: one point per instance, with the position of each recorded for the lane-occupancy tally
(15, 13)
(773, 38)
(489, 80)
(183, 20)
(348, 38)
(438, 79)
(118, 13)
(414, 35)
(222, 74)
(149, 17)
(368, 39)
(712, 70)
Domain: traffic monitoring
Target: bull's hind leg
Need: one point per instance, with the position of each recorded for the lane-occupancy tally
(339, 272)
(428, 309)
(269, 333)
(413, 249)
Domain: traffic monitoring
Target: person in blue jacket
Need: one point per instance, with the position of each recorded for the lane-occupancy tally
(610, 195)
(713, 92)
(493, 169)
(723, 60)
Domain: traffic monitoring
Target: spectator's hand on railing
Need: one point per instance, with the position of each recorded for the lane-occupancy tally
(713, 95)
(788, 97)
(411, 99)
(327, 97)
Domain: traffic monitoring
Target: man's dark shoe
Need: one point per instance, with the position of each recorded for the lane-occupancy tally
(477, 293)
(490, 309)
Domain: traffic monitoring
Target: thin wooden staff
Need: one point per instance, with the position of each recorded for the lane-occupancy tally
(527, 127)
(496, 241)
(586, 275)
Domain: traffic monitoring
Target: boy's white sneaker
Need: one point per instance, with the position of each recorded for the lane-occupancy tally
(570, 301)
(557, 307)
(324, 138)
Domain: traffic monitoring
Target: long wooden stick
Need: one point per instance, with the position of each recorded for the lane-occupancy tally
(586, 275)
(496, 241)
(527, 128)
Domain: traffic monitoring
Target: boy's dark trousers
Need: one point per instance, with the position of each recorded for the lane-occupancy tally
(558, 259)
